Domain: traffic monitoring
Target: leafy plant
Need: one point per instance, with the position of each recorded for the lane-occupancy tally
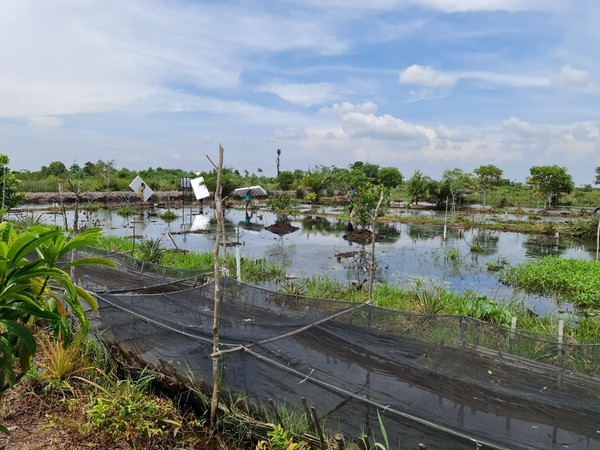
(168, 216)
(430, 298)
(497, 264)
(386, 442)
(151, 250)
(283, 205)
(452, 254)
(566, 278)
(60, 362)
(482, 308)
(280, 439)
(126, 211)
(36, 288)
(293, 288)
(126, 410)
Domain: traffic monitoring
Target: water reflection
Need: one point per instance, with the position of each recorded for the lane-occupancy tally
(538, 246)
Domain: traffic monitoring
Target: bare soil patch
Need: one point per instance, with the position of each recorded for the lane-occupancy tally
(281, 228)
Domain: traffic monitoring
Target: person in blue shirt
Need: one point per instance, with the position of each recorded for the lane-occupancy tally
(248, 198)
(350, 198)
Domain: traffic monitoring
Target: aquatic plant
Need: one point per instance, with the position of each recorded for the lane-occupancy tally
(126, 211)
(151, 250)
(569, 279)
(168, 216)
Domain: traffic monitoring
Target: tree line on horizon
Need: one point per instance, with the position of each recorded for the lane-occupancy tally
(548, 182)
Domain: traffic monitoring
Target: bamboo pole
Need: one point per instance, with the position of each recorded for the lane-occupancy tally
(215, 358)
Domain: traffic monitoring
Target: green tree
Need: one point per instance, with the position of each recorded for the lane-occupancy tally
(285, 180)
(11, 186)
(550, 182)
(597, 179)
(105, 170)
(365, 202)
(418, 186)
(317, 179)
(55, 168)
(370, 170)
(487, 177)
(457, 182)
(389, 177)
(33, 288)
(89, 168)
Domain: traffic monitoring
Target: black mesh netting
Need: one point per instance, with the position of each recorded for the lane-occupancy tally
(448, 381)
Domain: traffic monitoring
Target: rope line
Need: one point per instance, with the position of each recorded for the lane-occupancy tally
(310, 379)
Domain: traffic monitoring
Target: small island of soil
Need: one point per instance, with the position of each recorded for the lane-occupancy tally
(281, 228)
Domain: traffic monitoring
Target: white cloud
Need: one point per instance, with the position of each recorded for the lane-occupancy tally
(506, 79)
(65, 57)
(453, 6)
(379, 127)
(522, 128)
(426, 76)
(572, 78)
(585, 132)
(451, 134)
(305, 95)
(448, 6)
(339, 109)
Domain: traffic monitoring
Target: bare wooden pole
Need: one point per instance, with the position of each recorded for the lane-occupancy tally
(220, 227)
(374, 226)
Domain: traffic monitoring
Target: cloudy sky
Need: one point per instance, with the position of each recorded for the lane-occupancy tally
(414, 84)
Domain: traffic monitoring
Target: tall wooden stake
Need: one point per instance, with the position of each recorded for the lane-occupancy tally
(374, 226)
(220, 227)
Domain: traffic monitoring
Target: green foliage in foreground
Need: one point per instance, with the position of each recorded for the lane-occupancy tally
(35, 286)
(573, 280)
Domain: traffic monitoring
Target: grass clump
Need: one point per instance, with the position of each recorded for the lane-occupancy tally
(568, 279)
(126, 211)
(168, 216)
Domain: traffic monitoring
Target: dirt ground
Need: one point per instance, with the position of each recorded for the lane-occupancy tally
(39, 421)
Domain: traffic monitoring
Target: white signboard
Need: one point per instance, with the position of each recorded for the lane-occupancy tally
(141, 188)
(199, 188)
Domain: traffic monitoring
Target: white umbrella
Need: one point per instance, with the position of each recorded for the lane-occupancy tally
(255, 191)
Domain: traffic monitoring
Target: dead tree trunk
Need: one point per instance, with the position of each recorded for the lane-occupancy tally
(220, 228)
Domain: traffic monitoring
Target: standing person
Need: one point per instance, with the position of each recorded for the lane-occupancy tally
(350, 198)
(141, 190)
(248, 198)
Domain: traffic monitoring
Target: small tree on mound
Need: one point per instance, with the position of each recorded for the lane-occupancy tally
(365, 203)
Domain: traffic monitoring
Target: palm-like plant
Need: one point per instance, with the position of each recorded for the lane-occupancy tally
(34, 285)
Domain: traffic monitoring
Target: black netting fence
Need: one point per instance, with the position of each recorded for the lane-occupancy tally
(447, 381)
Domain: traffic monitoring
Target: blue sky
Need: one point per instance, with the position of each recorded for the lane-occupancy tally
(414, 84)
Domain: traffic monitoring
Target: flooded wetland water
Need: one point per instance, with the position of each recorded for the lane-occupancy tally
(407, 253)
